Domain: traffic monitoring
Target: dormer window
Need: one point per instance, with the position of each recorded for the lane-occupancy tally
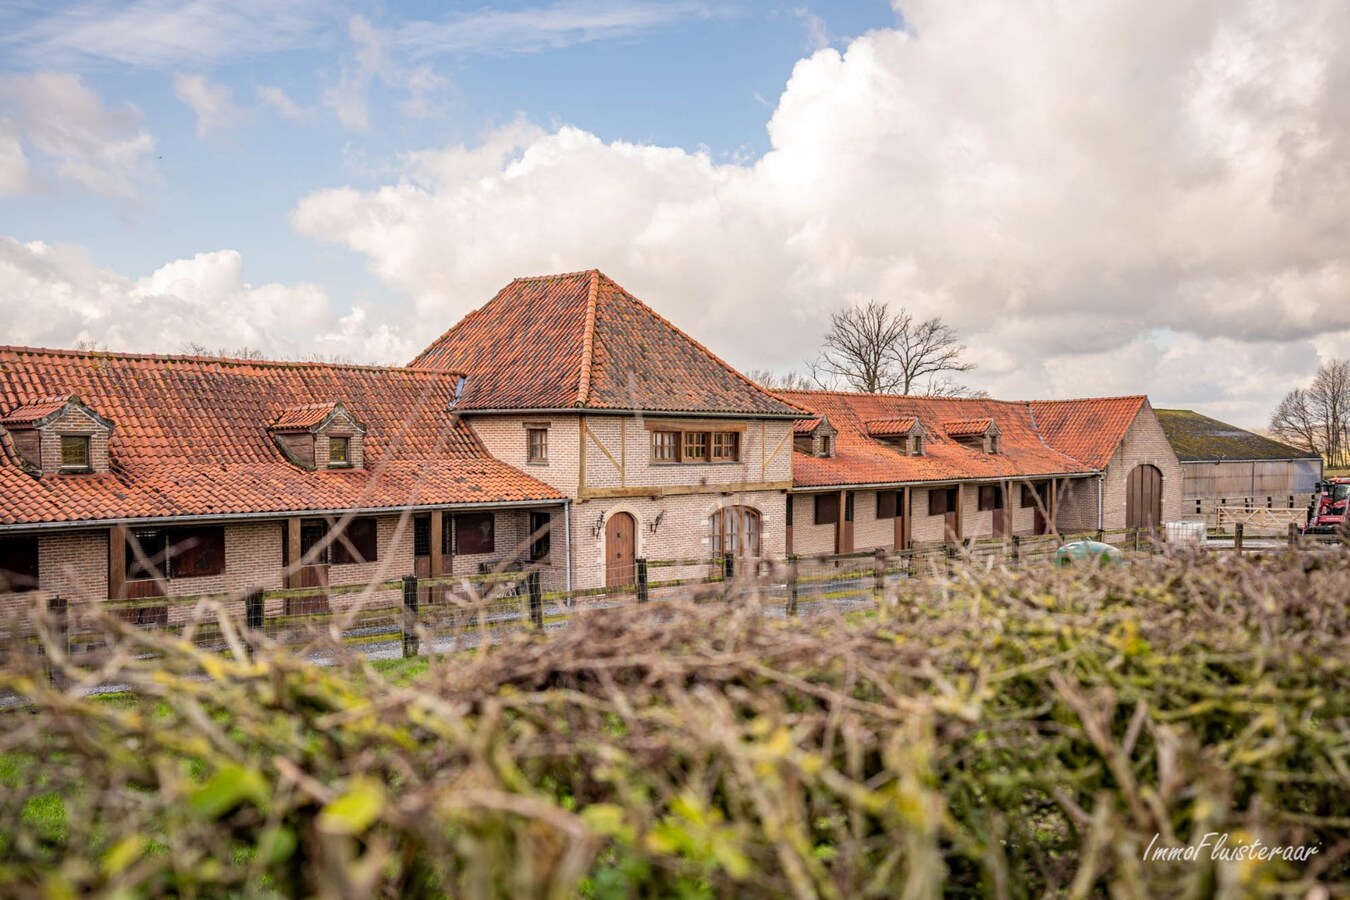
(995, 443)
(905, 435)
(58, 435)
(916, 445)
(814, 437)
(320, 436)
(981, 435)
(826, 445)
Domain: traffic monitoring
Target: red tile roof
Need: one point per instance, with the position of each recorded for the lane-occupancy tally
(34, 410)
(967, 427)
(304, 417)
(581, 341)
(891, 427)
(191, 439)
(860, 459)
(1089, 429)
(806, 426)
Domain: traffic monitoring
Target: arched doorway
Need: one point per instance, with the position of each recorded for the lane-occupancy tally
(735, 532)
(1143, 497)
(620, 550)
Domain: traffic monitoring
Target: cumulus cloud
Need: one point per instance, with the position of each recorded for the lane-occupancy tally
(1100, 199)
(212, 103)
(55, 296)
(59, 119)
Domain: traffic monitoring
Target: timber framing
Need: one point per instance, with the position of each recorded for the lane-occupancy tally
(683, 490)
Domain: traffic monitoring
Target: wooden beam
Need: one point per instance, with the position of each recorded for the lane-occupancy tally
(778, 448)
(603, 449)
(907, 532)
(960, 511)
(681, 490)
(291, 530)
(623, 452)
(437, 535)
(117, 562)
(581, 462)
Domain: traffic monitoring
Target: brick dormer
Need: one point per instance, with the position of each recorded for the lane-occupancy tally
(815, 437)
(904, 434)
(320, 436)
(977, 434)
(58, 436)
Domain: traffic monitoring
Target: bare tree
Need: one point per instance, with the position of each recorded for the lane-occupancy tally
(877, 349)
(780, 381)
(193, 348)
(1317, 418)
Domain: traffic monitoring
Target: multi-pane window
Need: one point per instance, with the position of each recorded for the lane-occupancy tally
(536, 442)
(665, 446)
(726, 446)
(74, 452)
(695, 446)
(339, 452)
(916, 445)
(735, 532)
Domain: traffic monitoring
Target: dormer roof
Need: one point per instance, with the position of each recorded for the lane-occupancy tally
(312, 417)
(965, 428)
(806, 426)
(39, 411)
(901, 427)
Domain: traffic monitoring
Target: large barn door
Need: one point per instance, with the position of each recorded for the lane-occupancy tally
(620, 550)
(1143, 497)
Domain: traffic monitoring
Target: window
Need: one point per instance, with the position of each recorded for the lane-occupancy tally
(358, 543)
(536, 442)
(695, 447)
(339, 453)
(916, 445)
(474, 533)
(991, 497)
(888, 504)
(941, 501)
(826, 445)
(1036, 495)
(74, 453)
(196, 552)
(734, 532)
(541, 527)
(848, 506)
(995, 443)
(665, 446)
(18, 564)
(147, 553)
(726, 446)
(827, 509)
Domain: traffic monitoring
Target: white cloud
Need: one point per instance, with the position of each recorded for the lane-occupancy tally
(54, 295)
(371, 62)
(56, 117)
(13, 163)
(278, 99)
(212, 103)
(1063, 183)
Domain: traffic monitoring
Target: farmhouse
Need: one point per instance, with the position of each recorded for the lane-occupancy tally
(131, 476)
(880, 472)
(1225, 466)
(564, 425)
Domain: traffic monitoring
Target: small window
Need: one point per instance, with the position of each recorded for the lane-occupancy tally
(541, 528)
(147, 553)
(941, 501)
(665, 446)
(827, 509)
(991, 497)
(196, 552)
(74, 453)
(916, 445)
(474, 533)
(995, 443)
(358, 543)
(826, 445)
(695, 447)
(339, 453)
(536, 440)
(888, 504)
(18, 564)
(726, 446)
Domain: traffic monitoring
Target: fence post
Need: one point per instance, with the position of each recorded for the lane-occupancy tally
(536, 591)
(1293, 534)
(879, 575)
(728, 567)
(642, 590)
(253, 621)
(951, 559)
(792, 587)
(1016, 548)
(59, 609)
(1237, 537)
(411, 645)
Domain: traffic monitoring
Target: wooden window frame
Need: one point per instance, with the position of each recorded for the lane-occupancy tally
(695, 446)
(345, 442)
(946, 498)
(357, 544)
(916, 445)
(990, 498)
(179, 553)
(541, 546)
(888, 504)
(727, 439)
(826, 445)
(662, 437)
(82, 441)
(536, 451)
(463, 525)
(827, 510)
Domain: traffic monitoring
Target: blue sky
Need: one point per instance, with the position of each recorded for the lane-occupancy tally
(1100, 202)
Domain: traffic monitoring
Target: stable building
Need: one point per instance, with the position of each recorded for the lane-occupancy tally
(1226, 466)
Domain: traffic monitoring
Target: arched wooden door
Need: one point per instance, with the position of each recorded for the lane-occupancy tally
(1143, 497)
(620, 550)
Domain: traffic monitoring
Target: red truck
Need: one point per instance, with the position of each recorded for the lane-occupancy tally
(1326, 514)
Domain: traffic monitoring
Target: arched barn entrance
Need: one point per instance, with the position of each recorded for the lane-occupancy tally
(1143, 497)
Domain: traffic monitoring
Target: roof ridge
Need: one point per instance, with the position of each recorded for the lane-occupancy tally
(682, 333)
(588, 340)
(231, 361)
(554, 277)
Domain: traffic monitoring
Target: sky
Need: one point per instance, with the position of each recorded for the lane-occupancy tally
(1103, 198)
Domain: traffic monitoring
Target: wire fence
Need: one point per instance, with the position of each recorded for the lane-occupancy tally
(410, 616)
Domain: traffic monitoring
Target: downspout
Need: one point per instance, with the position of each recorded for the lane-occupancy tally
(1101, 513)
(567, 542)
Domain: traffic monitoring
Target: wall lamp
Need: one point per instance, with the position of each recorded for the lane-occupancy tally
(599, 526)
(656, 523)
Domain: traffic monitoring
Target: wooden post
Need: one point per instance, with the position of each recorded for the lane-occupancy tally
(907, 527)
(1016, 549)
(411, 645)
(1237, 536)
(792, 587)
(839, 524)
(1293, 534)
(642, 590)
(728, 568)
(536, 593)
(253, 621)
(951, 559)
(879, 575)
(117, 562)
(292, 552)
(960, 510)
(59, 609)
(436, 537)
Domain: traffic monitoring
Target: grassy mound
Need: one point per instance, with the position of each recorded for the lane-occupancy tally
(1006, 733)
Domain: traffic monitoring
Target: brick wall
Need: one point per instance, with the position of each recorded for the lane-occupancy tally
(1144, 444)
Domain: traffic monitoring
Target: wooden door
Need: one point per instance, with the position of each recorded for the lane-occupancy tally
(620, 550)
(314, 575)
(846, 524)
(1143, 497)
(951, 527)
(1040, 524)
(144, 589)
(1001, 520)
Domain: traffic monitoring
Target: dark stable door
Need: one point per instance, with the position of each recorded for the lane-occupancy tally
(314, 575)
(620, 550)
